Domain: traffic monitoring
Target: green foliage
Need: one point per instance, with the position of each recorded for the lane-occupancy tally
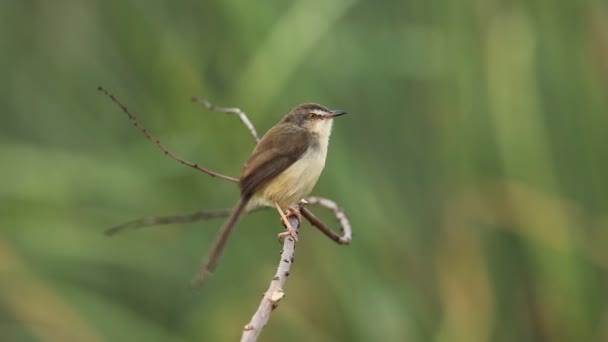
(472, 167)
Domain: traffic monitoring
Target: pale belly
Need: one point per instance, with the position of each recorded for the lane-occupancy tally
(293, 184)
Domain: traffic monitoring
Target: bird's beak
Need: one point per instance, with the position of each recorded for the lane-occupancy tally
(336, 112)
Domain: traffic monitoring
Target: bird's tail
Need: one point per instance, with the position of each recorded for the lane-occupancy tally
(210, 262)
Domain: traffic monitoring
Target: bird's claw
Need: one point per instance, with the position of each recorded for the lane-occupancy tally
(291, 212)
(289, 232)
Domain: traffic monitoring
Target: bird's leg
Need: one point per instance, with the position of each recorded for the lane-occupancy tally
(290, 231)
(294, 212)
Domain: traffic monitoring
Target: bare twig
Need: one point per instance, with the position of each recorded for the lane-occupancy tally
(275, 292)
(156, 142)
(236, 111)
(345, 228)
(170, 219)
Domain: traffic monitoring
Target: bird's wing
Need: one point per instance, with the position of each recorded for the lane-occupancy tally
(278, 149)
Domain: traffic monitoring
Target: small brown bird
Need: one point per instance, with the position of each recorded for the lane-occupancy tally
(282, 169)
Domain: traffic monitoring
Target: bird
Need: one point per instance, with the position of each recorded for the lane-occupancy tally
(282, 169)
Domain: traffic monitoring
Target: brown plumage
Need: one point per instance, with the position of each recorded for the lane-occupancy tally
(282, 169)
(278, 149)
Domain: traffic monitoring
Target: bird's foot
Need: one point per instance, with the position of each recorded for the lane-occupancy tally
(290, 231)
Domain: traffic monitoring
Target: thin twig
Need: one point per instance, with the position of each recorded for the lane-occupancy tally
(275, 292)
(345, 228)
(156, 142)
(170, 219)
(236, 111)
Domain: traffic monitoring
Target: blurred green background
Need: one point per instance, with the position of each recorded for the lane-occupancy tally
(472, 167)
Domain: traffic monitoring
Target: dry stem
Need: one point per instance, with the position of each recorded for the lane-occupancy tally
(345, 228)
(170, 219)
(275, 292)
(156, 142)
(237, 111)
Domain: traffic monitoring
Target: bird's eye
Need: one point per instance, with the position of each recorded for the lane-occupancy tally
(312, 115)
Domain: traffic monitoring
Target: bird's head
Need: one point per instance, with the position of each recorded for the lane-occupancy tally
(314, 118)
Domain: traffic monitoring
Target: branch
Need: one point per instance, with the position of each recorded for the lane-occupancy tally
(236, 111)
(345, 228)
(166, 220)
(156, 142)
(275, 292)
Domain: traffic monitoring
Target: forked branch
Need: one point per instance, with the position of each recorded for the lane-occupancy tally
(275, 291)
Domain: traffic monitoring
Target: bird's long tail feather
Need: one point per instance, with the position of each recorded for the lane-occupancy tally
(210, 262)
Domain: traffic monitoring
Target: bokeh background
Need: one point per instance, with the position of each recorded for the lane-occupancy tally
(472, 167)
